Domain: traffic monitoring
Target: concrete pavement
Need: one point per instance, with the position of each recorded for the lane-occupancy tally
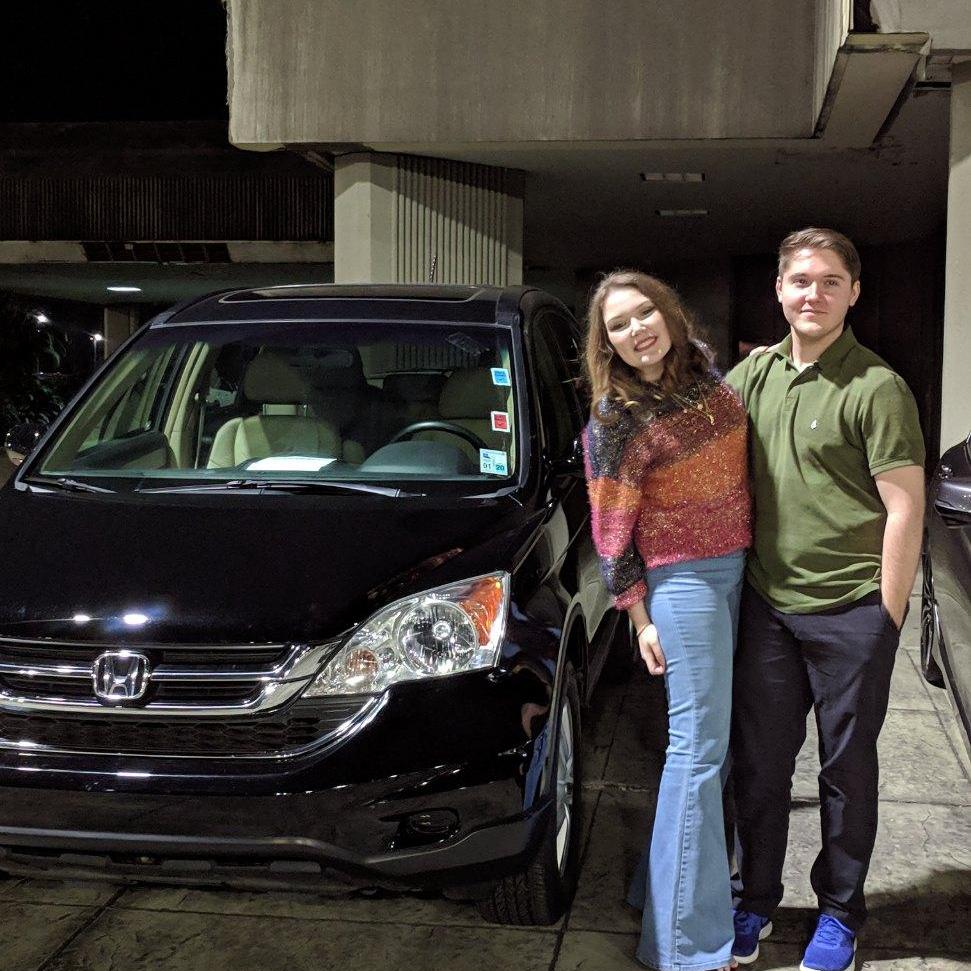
(919, 886)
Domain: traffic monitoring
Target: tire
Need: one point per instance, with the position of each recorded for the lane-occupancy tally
(930, 628)
(540, 893)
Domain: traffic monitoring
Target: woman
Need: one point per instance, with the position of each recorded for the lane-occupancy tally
(666, 470)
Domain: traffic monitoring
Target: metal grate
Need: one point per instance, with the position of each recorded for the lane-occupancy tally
(155, 207)
(451, 221)
(238, 692)
(297, 727)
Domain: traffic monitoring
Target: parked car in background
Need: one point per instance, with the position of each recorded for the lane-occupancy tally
(945, 641)
(300, 589)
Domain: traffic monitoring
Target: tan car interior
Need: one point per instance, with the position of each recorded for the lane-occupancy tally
(359, 417)
(271, 379)
(294, 401)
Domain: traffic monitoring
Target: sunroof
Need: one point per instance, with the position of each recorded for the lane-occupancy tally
(328, 291)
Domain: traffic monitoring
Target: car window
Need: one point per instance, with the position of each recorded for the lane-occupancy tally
(560, 410)
(134, 403)
(332, 400)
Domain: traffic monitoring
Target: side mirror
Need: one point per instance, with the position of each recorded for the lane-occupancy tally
(571, 463)
(20, 440)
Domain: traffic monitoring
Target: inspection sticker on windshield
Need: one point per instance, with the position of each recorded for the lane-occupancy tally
(493, 462)
(500, 421)
(500, 376)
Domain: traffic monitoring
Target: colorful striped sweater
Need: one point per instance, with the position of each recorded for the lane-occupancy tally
(667, 488)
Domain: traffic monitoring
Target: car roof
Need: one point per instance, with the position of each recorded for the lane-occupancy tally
(321, 301)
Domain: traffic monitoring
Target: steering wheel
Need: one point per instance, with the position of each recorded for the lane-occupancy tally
(439, 426)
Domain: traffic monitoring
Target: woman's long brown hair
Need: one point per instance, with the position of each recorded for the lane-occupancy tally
(611, 378)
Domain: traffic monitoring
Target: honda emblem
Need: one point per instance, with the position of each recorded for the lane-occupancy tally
(120, 676)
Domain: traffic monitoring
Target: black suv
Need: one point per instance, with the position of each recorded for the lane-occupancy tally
(945, 628)
(300, 589)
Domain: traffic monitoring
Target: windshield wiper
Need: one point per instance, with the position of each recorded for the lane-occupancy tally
(283, 485)
(68, 485)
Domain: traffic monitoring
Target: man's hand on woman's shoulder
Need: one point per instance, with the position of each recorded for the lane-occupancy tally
(762, 349)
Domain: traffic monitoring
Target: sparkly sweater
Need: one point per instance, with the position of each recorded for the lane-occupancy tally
(667, 488)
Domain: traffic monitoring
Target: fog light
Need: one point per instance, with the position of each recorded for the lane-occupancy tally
(431, 825)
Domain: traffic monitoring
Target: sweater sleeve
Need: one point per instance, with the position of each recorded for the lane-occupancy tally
(615, 470)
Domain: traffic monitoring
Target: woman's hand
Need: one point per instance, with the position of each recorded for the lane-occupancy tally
(650, 647)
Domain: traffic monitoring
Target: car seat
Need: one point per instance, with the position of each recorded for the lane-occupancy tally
(412, 396)
(342, 394)
(468, 398)
(274, 379)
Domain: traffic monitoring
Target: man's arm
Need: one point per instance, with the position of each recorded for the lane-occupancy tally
(902, 492)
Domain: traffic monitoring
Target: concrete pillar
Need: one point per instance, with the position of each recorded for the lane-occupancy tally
(119, 324)
(405, 219)
(955, 397)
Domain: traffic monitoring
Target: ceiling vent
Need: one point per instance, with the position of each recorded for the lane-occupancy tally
(174, 252)
(677, 177)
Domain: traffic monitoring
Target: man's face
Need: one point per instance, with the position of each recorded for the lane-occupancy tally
(816, 292)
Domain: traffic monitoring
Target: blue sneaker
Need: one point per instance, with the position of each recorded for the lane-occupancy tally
(833, 947)
(749, 930)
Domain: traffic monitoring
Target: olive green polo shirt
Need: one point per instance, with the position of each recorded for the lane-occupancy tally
(817, 439)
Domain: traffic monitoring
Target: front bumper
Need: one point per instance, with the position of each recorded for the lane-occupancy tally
(153, 846)
(345, 814)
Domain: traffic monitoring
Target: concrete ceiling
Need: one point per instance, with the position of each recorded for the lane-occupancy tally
(792, 119)
(329, 71)
(587, 206)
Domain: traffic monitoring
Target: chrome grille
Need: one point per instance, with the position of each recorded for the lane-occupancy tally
(183, 681)
(185, 655)
(216, 701)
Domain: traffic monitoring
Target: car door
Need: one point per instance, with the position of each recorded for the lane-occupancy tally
(556, 360)
(949, 544)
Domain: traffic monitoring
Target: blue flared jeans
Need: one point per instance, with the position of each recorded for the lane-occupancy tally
(682, 881)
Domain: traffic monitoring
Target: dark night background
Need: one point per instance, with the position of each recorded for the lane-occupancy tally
(75, 61)
(105, 60)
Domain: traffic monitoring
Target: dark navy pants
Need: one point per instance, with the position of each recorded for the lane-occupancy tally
(838, 662)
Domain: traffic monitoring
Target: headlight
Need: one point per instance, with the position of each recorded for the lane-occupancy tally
(448, 630)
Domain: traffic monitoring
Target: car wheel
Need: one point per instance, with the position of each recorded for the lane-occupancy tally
(543, 890)
(930, 628)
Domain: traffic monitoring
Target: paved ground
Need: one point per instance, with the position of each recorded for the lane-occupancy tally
(919, 888)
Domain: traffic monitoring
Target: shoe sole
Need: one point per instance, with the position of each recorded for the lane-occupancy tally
(754, 956)
(805, 967)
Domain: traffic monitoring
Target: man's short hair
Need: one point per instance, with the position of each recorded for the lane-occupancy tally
(815, 238)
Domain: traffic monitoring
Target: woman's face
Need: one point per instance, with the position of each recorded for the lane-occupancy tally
(637, 331)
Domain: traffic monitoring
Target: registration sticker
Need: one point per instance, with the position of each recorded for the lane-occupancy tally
(500, 377)
(500, 421)
(493, 461)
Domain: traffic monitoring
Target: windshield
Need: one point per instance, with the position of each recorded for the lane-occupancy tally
(315, 401)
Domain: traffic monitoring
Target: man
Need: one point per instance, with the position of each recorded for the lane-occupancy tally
(837, 464)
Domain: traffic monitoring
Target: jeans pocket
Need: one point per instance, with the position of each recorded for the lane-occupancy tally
(888, 620)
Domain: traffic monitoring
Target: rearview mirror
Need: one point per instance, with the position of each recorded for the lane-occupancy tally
(20, 440)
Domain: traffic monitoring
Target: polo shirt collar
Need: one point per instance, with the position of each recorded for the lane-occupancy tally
(832, 357)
